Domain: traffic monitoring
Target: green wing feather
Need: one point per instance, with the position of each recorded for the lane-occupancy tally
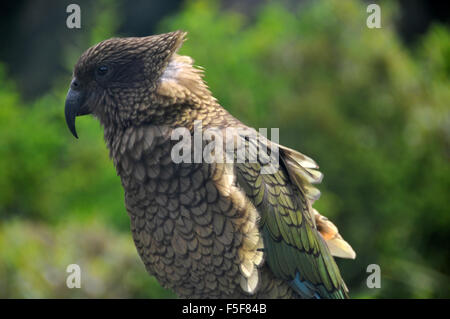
(293, 248)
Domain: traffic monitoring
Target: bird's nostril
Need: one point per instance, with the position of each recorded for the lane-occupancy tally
(75, 84)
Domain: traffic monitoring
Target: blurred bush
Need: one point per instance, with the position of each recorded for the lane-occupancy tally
(35, 262)
(372, 113)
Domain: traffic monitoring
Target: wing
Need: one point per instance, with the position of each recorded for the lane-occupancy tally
(294, 249)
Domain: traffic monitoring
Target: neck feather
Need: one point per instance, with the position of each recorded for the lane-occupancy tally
(182, 82)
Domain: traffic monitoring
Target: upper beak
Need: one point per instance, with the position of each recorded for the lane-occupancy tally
(75, 105)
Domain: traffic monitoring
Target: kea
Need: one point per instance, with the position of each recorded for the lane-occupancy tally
(209, 227)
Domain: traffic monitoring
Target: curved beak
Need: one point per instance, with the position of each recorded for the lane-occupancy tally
(75, 106)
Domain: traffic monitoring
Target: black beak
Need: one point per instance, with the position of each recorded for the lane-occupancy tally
(75, 105)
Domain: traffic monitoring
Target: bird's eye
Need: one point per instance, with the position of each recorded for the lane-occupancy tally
(102, 70)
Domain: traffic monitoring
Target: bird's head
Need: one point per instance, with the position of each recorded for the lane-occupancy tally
(117, 80)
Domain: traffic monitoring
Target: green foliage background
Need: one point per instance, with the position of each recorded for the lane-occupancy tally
(372, 113)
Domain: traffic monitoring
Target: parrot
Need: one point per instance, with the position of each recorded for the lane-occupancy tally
(208, 226)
